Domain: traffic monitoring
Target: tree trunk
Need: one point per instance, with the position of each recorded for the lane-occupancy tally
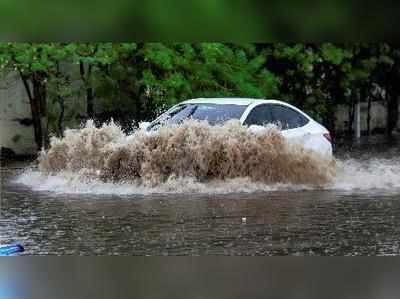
(36, 112)
(61, 102)
(369, 115)
(392, 97)
(331, 119)
(61, 117)
(89, 90)
(40, 96)
(89, 96)
(357, 124)
(90, 105)
(392, 112)
(351, 116)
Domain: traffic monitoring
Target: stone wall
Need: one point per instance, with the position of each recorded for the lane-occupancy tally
(16, 129)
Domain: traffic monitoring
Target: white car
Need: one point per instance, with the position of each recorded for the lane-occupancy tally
(295, 125)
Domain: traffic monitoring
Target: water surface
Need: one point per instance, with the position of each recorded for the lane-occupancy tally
(358, 221)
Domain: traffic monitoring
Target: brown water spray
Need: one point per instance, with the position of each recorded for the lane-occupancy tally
(193, 149)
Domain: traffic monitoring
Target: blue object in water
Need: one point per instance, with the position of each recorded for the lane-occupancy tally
(11, 249)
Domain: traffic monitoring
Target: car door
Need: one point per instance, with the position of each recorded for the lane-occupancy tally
(258, 117)
(291, 122)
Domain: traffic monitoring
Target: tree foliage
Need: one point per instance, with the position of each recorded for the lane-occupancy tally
(135, 81)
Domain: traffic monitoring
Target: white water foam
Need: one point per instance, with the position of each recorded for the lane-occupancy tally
(352, 176)
(364, 175)
(72, 183)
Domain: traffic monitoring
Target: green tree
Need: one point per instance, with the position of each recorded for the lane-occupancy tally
(136, 81)
(386, 77)
(35, 63)
(94, 60)
(178, 71)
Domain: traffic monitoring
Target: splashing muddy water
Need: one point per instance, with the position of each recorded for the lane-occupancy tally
(355, 212)
(196, 158)
(193, 154)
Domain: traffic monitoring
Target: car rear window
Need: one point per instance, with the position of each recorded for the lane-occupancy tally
(281, 115)
(287, 118)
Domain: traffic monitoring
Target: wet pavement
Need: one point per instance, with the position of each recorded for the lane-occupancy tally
(313, 222)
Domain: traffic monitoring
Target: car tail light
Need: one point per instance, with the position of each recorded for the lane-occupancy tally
(328, 137)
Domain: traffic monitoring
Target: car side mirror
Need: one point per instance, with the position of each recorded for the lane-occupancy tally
(144, 125)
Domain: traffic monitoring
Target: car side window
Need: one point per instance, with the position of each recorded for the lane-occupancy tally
(260, 115)
(286, 117)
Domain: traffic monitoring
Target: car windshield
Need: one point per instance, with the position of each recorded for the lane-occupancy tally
(212, 113)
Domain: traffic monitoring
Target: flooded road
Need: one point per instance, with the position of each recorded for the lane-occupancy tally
(282, 222)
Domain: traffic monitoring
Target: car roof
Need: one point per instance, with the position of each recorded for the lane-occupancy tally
(242, 101)
(232, 101)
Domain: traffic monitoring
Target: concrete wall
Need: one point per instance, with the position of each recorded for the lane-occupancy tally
(16, 129)
(378, 117)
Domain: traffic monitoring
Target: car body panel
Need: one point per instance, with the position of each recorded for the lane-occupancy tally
(310, 135)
